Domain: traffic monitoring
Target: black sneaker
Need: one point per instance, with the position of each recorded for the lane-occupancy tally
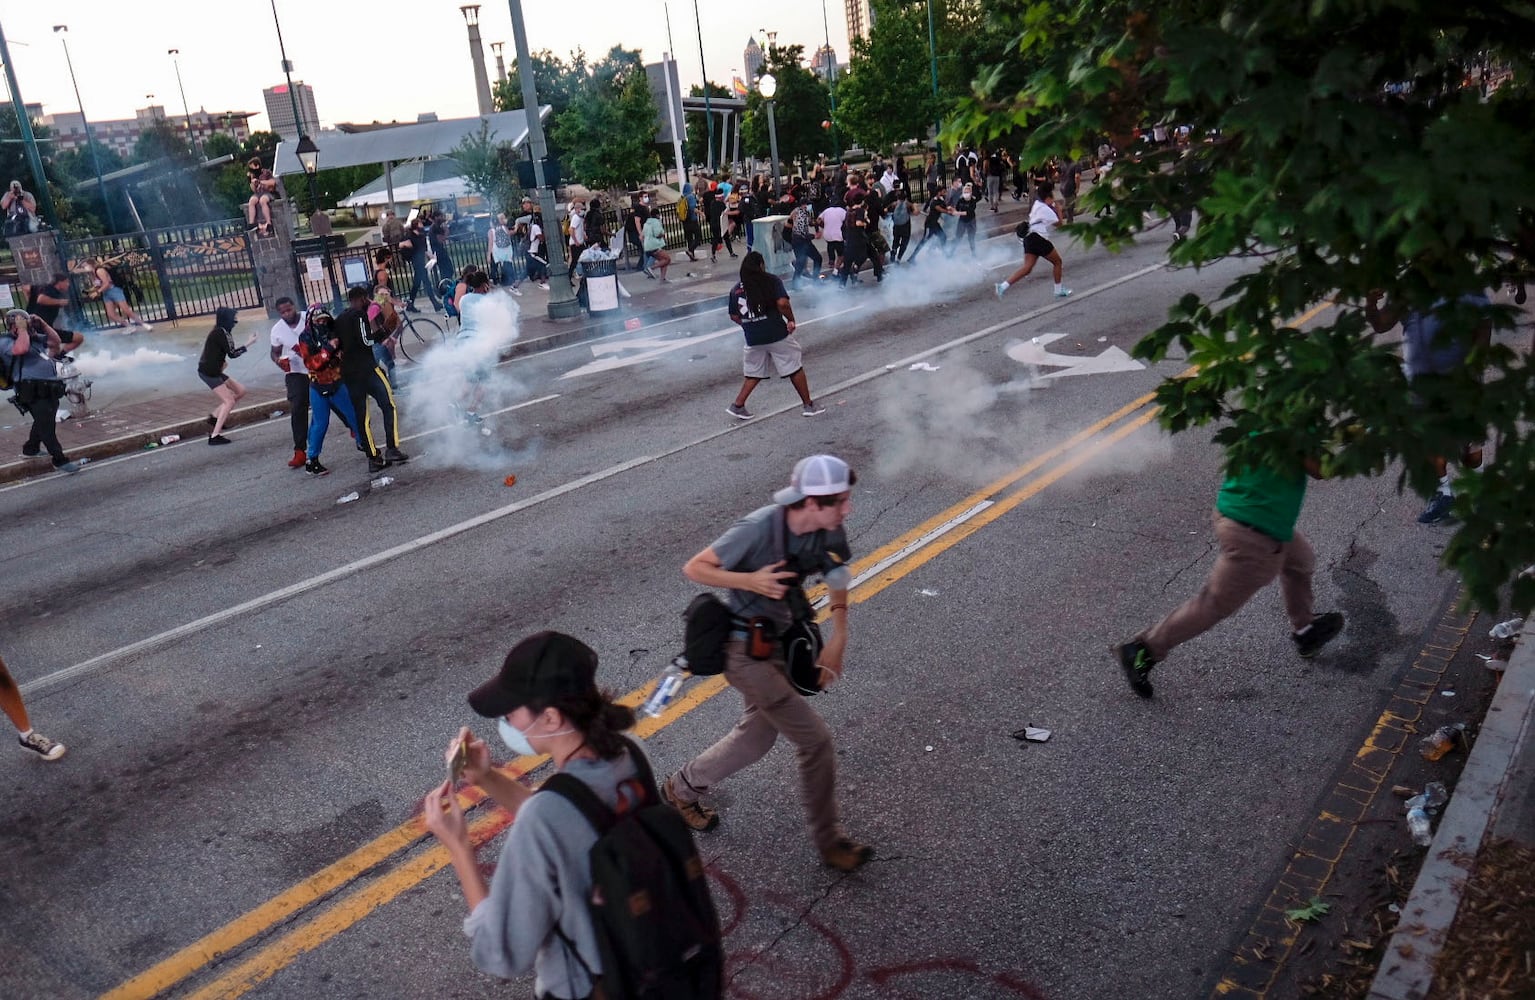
(1438, 509)
(395, 455)
(314, 468)
(218, 439)
(377, 463)
(1137, 662)
(1322, 630)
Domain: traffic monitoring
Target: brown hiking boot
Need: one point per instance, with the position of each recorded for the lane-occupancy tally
(694, 814)
(847, 855)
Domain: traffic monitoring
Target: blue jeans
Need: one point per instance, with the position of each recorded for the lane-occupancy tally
(805, 250)
(421, 279)
(319, 416)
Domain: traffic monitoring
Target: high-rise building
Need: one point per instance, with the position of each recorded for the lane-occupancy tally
(860, 18)
(279, 111)
(824, 63)
(752, 59)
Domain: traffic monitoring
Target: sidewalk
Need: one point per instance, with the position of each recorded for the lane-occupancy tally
(1469, 914)
(146, 388)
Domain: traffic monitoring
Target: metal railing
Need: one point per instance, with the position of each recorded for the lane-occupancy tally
(169, 273)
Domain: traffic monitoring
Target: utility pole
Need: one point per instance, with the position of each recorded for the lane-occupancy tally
(562, 297)
(287, 70)
(708, 118)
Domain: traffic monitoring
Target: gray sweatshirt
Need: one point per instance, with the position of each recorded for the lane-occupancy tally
(543, 877)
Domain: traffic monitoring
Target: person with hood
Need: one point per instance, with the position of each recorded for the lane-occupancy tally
(687, 207)
(218, 348)
(319, 346)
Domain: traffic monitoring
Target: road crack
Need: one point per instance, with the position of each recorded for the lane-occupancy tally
(804, 914)
(1209, 547)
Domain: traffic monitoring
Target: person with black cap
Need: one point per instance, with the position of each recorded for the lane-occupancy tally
(363, 378)
(762, 560)
(534, 913)
(218, 348)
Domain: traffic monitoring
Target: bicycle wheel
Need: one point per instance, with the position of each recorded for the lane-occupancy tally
(416, 335)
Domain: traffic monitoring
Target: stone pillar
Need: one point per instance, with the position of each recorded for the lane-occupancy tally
(273, 256)
(37, 257)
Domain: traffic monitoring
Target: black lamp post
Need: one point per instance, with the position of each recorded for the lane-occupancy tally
(309, 157)
(62, 31)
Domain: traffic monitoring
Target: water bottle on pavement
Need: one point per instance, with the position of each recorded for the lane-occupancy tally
(1508, 629)
(1433, 796)
(667, 686)
(1422, 830)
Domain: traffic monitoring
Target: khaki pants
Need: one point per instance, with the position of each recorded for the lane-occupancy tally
(1248, 561)
(773, 707)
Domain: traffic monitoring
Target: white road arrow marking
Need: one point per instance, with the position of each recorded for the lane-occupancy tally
(1032, 352)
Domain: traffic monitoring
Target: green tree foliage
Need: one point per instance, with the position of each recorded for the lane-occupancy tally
(698, 129)
(557, 81)
(799, 107)
(1344, 146)
(886, 95)
(489, 167)
(262, 144)
(608, 131)
(160, 141)
(220, 144)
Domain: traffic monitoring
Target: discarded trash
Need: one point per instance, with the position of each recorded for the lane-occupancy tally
(667, 686)
(1032, 734)
(923, 366)
(1314, 910)
(485, 432)
(349, 497)
(381, 482)
(170, 439)
(510, 480)
(276, 413)
(1402, 791)
(1441, 741)
(1102, 339)
(62, 416)
(1497, 666)
(1508, 629)
(1419, 825)
(1431, 798)
(925, 592)
(1394, 908)
(929, 749)
(151, 446)
(1447, 694)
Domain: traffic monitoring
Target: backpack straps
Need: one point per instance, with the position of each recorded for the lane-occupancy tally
(597, 813)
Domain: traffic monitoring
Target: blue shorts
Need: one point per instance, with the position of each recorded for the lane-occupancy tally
(114, 294)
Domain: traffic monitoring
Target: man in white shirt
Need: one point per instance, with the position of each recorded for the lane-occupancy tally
(285, 333)
(831, 220)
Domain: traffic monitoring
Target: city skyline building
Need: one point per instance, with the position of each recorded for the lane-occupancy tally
(121, 135)
(824, 63)
(860, 18)
(279, 110)
(753, 59)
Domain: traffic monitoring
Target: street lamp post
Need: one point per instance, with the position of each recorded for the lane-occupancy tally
(62, 30)
(831, 82)
(309, 157)
(767, 86)
(562, 297)
(185, 107)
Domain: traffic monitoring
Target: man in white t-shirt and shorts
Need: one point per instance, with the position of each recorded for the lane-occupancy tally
(759, 303)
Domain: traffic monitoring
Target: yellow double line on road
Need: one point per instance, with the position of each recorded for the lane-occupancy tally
(338, 914)
(337, 910)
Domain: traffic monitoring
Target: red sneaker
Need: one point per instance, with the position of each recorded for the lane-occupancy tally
(298, 459)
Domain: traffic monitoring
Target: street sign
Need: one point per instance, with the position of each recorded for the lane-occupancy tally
(314, 268)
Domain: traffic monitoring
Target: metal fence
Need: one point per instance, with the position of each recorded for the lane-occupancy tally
(170, 273)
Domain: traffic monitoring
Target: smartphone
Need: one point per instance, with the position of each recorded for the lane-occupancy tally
(458, 761)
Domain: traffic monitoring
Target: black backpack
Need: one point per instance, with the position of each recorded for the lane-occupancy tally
(656, 927)
(709, 624)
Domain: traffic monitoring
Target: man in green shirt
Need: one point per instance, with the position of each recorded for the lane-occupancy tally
(1255, 514)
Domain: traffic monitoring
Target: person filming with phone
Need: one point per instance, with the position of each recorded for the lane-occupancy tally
(26, 347)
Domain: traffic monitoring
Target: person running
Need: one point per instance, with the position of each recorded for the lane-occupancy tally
(653, 243)
(1255, 514)
(16, 710)
(25, 346)
(114, 299)
(898, 211)
(936, 208)
(759, 304)
(218, 348)
(46, 302)
(363, 378)
(533, 914)
(285, 337)
(965, 208)
(858, 233)
(762, 561)
(1043, 218)
(320, 348)
(802, 232)
(471, 302)
(831, 221)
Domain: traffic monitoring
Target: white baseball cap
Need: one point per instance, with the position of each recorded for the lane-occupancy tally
(815, 476)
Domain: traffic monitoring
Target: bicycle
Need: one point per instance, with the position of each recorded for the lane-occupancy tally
(416, 334)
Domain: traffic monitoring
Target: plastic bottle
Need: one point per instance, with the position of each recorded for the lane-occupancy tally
(667, 686)
(381, 482)
(1430, 799)
(1508, 629)
(1441, 741)
(1422, 829)
(170, 439)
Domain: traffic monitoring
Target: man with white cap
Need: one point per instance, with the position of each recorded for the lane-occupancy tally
(762, 560)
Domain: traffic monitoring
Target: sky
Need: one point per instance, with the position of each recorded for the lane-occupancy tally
(383, 61)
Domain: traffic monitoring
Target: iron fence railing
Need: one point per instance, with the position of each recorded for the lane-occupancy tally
(169, 273)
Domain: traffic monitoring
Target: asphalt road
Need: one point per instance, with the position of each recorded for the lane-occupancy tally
(256, 682)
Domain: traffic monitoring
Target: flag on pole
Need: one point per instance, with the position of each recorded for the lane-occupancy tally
(738, 85)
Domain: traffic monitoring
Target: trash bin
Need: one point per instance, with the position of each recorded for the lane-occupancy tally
(770, 240)
(599, 281)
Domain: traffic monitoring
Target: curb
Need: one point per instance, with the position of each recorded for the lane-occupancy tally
(1408, 965)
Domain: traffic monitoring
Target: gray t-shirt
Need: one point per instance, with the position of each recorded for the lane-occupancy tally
(760, 539)
(35, 364)
(544, 877)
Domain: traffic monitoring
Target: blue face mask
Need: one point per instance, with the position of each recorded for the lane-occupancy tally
(516, 740)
